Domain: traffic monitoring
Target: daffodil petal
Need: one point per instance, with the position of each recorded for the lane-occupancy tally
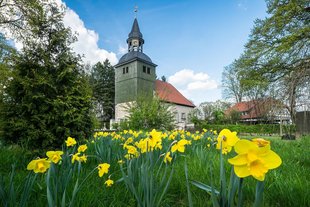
(238, 160)
(233, 139)
(271, 160)
(260, 178)
(31, 165)
(242, 171)
(243, 146)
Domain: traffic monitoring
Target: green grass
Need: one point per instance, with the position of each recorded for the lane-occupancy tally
(289, 185)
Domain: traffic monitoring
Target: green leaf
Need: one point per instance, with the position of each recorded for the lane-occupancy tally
(204, 187)
(259, 194)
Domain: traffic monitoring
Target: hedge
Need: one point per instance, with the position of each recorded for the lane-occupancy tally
(255, 129)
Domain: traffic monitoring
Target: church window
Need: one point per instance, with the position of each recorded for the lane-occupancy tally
(126, 69)
(148, 70)
(183, 117)
(176, 115)
(144, 69)
(123, 70)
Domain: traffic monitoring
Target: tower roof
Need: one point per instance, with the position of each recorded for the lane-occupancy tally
(133, 56)
(135, 30)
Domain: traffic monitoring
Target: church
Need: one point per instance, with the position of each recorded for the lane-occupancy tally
(135, 76)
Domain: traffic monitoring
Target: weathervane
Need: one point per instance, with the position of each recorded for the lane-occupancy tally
(136, 11)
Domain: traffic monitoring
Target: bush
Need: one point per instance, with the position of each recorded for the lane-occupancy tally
(148, 114)
(244, 128)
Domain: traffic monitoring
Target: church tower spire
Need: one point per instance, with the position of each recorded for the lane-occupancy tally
(135, 39)
(135, 73)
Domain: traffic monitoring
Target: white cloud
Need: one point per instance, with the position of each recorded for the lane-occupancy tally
(242, 5)
(195, 86)
(185, 76)
(122, 49)
(199, 85)
(87, 43)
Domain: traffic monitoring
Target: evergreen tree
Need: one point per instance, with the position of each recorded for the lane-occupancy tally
(48, 98)
(103, 85)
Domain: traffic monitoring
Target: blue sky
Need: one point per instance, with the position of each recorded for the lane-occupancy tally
(190, 41)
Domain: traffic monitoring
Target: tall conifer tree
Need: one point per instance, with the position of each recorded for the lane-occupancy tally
(48, 98)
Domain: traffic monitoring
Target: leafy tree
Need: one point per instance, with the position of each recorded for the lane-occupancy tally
(210, 111)
(5, 53)
(277, 54)
(48, 98)
(218, 117)
(234, 117)
(103, 85)
(148, 114)
(231, 83)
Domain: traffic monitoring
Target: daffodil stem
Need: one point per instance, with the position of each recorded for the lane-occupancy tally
(240, 196)
(259, 194)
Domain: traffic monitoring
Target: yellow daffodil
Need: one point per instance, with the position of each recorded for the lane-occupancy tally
(120, 162)
(109, 183)
(78, 157)
(197, 137)
(70, 142)
(39, 165)
(132, 150)
(54, 156)
(228, 139)
(261, 142)
(129, 140)
(82, 148)
(253, 160)
(128, 156)
(171, 137)
(167, 157)
(180, 145)
(155, 135)
(103, 169)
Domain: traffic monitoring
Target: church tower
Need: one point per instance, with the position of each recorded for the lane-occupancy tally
(135, 73)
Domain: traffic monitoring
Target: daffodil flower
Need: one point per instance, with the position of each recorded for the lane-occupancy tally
(78, 157)
(54, 156)
(180, 145)
(167, 157)
(227, 139)
(39, 165)
(103, 169)
(253, 160)
(70, 142)
(109, 183)
(82, 148)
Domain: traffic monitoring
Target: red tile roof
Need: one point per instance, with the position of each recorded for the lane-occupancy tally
(169, 93)
(254, 109)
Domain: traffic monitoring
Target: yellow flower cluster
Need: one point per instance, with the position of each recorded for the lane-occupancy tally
(43, 164)
(253, 158)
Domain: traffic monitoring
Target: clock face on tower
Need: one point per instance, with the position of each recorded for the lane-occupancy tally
(135, 43)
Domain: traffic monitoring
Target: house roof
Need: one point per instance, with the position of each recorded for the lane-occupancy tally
(255, 108)
(169, 93)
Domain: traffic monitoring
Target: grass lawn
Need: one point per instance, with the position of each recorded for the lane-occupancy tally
(289, 185)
